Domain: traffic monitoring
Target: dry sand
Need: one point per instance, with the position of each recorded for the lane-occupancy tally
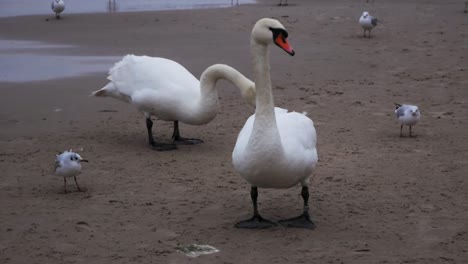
(375, 197)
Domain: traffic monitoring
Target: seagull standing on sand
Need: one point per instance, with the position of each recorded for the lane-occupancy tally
(367, 22)
(58, 6)
(407, 115)
(67, 165)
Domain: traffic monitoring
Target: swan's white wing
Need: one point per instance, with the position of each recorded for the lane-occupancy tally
(296, 129)
(299, 139)
(135, 73)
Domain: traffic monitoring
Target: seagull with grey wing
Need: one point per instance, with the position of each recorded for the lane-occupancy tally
(67, 165)
(367, 23)
(408, 115)
(58, 6)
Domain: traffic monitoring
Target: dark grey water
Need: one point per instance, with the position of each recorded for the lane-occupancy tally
(24, 61)
(36, 7)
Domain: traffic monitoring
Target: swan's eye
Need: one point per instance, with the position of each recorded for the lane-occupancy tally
(279, 31)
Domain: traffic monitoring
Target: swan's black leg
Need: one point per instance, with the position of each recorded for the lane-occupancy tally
(257, 221)
(149, 127)
(302, 221)
(154, 145)
(183, 141)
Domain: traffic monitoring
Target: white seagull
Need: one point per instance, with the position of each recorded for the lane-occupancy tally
(275, 148)
(165, 89)
(367, 23)
(407, 115)
(67, 165)
(58, 6)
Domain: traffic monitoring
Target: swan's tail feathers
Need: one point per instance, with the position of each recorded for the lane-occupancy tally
(128, 59)
(112, 91)
(98, 93)
(105, 91)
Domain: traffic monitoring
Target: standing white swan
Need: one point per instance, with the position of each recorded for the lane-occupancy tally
(275, 149)
(164, 88)
(58, 6)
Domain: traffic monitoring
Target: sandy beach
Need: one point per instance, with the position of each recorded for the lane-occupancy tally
(375, 197)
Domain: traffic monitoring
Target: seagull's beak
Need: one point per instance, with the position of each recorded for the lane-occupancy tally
(83, 160)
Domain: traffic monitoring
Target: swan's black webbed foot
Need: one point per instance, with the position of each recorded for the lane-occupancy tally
(181, 140)
(302, 221)
(256, 222)
(187, 141)
(163, 146)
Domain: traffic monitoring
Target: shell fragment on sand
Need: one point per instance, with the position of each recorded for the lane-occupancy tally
(195, 250)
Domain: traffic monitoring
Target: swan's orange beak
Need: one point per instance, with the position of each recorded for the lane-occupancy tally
(283, 43)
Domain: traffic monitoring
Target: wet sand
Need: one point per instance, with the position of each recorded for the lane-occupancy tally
(375, 197)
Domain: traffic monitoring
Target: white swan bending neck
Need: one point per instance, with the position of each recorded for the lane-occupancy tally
(164, 88)
(207, 105)
(212, 74)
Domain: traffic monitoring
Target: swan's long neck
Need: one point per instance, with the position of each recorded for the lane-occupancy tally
(207, 105)
(265, 130)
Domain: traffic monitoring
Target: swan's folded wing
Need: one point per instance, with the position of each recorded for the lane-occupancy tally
(133, 73)
(299, 139)
(296, 130)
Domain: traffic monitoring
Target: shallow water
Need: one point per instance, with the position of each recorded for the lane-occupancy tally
(24, 61)
(36, 7)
